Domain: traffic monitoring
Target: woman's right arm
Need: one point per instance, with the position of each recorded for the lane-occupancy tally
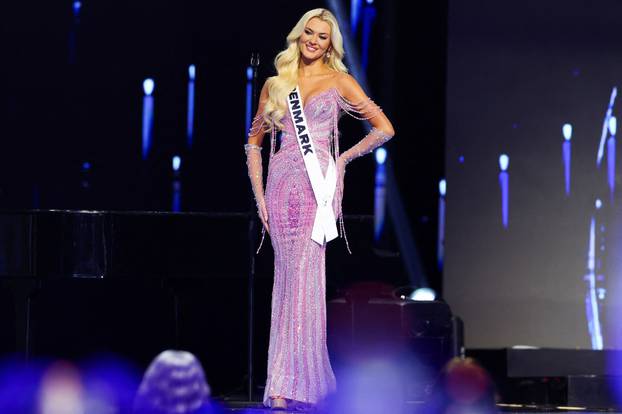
(253, 157)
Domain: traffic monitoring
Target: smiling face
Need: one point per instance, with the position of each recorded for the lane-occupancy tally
(315, 39)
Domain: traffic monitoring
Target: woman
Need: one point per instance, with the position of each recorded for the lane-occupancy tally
(299, 371)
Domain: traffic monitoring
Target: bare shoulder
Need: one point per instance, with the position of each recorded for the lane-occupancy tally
(265, 89)
(348, 87)
(344, 79)
(268, 82)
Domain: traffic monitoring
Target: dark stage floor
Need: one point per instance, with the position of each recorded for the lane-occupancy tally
(417, 408)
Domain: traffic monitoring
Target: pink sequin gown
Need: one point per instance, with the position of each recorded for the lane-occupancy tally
(298, 363)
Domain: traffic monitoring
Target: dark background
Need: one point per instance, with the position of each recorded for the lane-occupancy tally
(58, 113)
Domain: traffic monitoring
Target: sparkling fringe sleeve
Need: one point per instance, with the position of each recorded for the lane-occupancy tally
(257, 125)
(260, 125)
(364, 110)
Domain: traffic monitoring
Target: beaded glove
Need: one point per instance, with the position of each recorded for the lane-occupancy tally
(255, 173)
(370, 142)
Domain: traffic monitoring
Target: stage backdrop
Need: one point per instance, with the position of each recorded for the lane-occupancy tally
(518, 71)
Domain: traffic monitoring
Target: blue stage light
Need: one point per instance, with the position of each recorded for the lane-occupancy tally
(603, 136)
(369, 15)
(567, 155)
(440, 248)
(504, 183)
(190, 114)
(380, 193)
(249, 99)
(612, 125)
(355, 15)
(598, 204)
(77, 5)
(148, 86)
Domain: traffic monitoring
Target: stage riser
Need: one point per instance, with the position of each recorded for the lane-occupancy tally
(554, 377)
(418, 337)
(594, 392)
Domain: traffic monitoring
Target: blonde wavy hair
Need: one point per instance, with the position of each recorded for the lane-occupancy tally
(287, 64)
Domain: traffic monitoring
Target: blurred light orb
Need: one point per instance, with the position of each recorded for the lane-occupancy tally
(504, 162)
(148, 86)
(381, 155)
(423, 295)
(176, 162)
(567, 131)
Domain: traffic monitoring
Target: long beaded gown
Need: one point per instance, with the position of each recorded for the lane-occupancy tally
(298, 363)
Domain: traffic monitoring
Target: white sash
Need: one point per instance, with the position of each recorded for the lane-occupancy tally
(325, 225)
